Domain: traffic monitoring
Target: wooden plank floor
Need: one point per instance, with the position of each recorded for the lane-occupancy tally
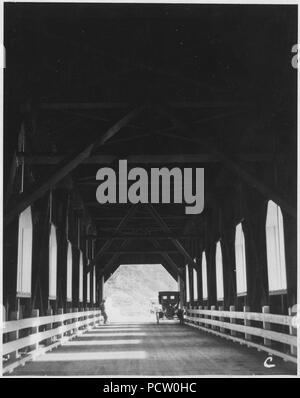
(150, 349)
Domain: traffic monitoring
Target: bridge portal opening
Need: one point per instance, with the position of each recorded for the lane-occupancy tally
(131, 288)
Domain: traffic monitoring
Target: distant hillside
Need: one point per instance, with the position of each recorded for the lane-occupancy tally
(129, 290)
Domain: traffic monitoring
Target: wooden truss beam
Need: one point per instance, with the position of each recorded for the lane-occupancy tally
(228, 162)
(167, 258)
(65, 167)
(175, 241)
(152, 159)
(142, 237)
(125, 105)
(109, 241)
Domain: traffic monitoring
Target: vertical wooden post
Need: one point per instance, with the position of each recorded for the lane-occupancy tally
(49, 312)
(75, 330)
(69, 332)
(266, 325)
(221, 318)
(206, 316)
(35, 314)
(213, 308)
(293, 332)
(232, 320)
(14, 316)
(200, 316)
(60, 311)
(246, 308)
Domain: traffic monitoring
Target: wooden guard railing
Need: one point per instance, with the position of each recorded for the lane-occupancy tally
(235, 326)
(26, 338)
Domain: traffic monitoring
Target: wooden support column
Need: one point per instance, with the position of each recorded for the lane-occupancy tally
(181, 291)
(290, 242)
(199, 282)
(211, 275)
(255, 244)
(229, 267)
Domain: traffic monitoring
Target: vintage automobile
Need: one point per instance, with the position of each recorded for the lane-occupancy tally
(169, 301)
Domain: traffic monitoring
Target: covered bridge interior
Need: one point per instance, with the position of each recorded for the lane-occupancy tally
(187, 86)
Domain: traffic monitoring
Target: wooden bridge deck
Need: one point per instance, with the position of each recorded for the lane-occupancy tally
(150, 349)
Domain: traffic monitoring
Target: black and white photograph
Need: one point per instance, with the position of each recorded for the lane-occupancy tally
(149, 192)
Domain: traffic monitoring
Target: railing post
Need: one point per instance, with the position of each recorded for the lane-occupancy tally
(14, 316)
(213, 308)
(69, 321)
(75, 329)
(200, 316)
(232, 320)
(293, 332)
(221, 318)
(34, 330)
(266, 325)
(193, 315)
(49, 312)
(206, 316)
(60, 311)
(247, 322)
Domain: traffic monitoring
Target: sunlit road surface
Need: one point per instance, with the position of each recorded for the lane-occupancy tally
(122, 349)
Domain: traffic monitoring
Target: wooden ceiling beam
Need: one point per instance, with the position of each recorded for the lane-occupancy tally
(64, 168)
(167, 230)
(125, 105)
(229, 162)
(151, 159)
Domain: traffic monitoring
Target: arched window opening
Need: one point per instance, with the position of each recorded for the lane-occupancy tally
(204, 277)
(240, 261)
(187, 283)
(69, 272)
(219, 273)
(52, 263)
(24, 267)
(195, 284)
(275, 249)
(80, 277)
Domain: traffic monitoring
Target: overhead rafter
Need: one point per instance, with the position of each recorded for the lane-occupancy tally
(113, 260)
(167, 258)
(175, 241)
(145, 251)
(65, 167)
(145, 236)
(231, 164)
(109, 241)
(152, 159)
(125, 105)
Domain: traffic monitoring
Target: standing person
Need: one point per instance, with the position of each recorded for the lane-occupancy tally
(158, 311)
(180, 314)
(103, 312)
